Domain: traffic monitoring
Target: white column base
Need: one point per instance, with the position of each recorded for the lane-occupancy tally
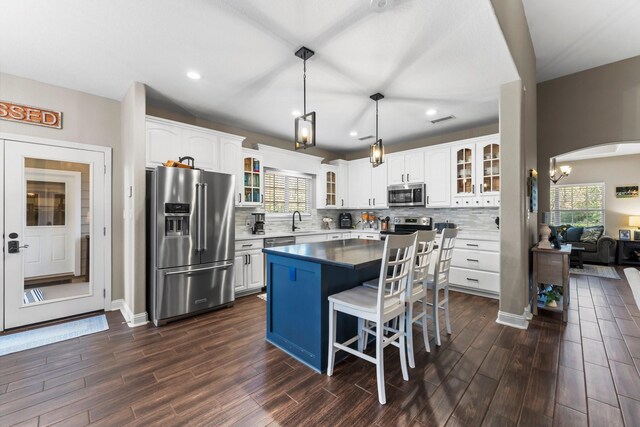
(132, 320)
(519, 321)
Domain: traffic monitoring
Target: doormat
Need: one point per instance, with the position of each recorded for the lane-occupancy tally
(33, 295)
(33, 338)
(597, 271)
(263, 297)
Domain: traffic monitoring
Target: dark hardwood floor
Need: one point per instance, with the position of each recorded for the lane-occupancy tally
(217, 369)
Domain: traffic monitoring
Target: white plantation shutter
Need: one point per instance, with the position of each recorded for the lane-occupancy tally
(286, 192)
(579, 204)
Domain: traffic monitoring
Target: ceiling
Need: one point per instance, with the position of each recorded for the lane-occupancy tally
(575, 35)
(601, 151)
(449, 56)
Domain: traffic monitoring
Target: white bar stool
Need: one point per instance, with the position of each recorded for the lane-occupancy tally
(377, 306)
(416, 292)
(440, 280)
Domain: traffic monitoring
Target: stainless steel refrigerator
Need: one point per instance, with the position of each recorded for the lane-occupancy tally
(190, 242)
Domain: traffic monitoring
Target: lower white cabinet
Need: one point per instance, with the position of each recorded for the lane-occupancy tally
(248, 267)
(364, 235)
(475, 265)
(311, 238)
(336, 236)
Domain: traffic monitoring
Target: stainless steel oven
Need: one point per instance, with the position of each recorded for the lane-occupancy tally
(406, 195)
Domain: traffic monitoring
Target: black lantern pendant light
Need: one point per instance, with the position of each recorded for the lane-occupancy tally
(376, 154)
(305, 135)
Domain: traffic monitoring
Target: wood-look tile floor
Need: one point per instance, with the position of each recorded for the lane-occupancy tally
(217, 369)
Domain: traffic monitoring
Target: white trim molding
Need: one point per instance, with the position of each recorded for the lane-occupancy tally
(514, 320)
(133, 320)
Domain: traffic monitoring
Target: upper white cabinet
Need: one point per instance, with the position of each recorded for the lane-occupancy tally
(476, 172)
(405, 167)
(437, 179)
(327, 187)
(252, 178)
(211, 150)
(342, 200)
(163, 143)
(367, 185)
(231, 163)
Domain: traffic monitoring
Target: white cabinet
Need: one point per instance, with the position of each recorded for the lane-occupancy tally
(437, 167)
(405, 167)
(476, 172)
(475, 265)
(163, 143)
(379, 186)
(360, 184)
(311, 238)
(343, 183)
(248, 267)
(203, 147)
(365, 235)
(231, 163)
(327, 188)
(336, 236)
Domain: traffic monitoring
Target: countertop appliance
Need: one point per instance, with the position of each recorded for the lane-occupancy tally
(345, 220)
(442, 225)
(190, 242)
(407, 195)
(257, 222)
(408, 225)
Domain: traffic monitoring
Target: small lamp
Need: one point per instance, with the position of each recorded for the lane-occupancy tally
(544, 231)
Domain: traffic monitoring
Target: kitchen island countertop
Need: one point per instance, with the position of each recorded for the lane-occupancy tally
(352, 254)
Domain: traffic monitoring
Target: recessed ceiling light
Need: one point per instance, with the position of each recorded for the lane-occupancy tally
(432, 112)
(353, 133)
(296, 113)
(194, 75)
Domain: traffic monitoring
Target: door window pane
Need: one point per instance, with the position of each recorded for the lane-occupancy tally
(45, 203)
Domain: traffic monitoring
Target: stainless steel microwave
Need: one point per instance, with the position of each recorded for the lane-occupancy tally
(406, 195)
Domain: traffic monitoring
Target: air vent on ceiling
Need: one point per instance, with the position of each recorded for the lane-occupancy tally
(364, 138)
(442, 119)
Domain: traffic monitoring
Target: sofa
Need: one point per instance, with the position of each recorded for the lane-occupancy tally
(598, 247)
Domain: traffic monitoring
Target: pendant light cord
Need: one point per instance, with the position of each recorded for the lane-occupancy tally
(376, 122)
(304, 86)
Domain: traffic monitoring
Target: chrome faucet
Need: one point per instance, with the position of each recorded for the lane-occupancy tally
(293, 222)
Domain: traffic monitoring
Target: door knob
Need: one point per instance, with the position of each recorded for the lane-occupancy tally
(14, 247)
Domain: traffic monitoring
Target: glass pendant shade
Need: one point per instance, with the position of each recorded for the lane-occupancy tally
(305, 134)
(376, 154)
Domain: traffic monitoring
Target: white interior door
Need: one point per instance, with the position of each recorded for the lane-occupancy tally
(54, 234)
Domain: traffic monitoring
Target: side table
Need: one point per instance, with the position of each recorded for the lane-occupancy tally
(551, 267)
(624, 252)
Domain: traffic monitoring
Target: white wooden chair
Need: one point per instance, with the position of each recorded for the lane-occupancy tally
(440, 280)
(377, 306)
(416, 292)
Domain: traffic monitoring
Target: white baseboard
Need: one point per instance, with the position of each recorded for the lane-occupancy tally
(132, 320)
(514, 320)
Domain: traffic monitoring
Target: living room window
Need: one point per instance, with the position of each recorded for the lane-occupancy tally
(581, 205)
(286, 192)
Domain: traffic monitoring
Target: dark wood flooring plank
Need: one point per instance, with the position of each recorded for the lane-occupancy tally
(512, 387)
(443, 402)
(541, 391)
(475, 401)
(495, 363)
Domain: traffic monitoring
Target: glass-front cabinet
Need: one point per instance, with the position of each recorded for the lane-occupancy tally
(489, 164)
(252, 185)
(465, 169)
(331, 188)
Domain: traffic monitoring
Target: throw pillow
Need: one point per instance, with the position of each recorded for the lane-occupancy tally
(591, 234)
(574, 233)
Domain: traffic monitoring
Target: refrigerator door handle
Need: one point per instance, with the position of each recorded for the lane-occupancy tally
(197, 270)
(199, 233)
(204, 199)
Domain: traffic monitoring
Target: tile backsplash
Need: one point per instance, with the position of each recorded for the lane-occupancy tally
(477, 219)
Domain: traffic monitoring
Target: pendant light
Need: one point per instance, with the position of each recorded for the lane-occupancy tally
(553, 171)
(376, 153)
(305, 133)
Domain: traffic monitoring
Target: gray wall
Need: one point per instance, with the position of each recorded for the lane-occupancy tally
(87, 119)
(518, 145)
(613, 171)
(592, 107)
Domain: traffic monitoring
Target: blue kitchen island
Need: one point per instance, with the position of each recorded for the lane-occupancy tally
(299, 280)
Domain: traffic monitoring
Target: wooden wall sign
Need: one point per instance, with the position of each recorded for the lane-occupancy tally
(31, 115)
